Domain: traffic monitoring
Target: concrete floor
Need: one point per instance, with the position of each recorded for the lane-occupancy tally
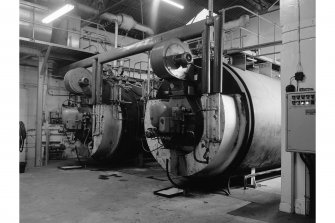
(48, 194)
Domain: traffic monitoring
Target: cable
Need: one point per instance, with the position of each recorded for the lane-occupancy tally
(196, 66)
(169, 177)
(149, 151)
(75, 147)
(89, 130)
(299, 66)
(196, 159)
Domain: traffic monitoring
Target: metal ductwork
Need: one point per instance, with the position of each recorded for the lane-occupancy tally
(31, 26)
(124, 21)
(27, 29)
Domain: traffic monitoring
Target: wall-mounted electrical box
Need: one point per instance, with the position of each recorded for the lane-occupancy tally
(301, 122)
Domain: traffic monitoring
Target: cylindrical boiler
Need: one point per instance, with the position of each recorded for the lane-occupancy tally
(206, 135)
(115, 125)
(117, 122)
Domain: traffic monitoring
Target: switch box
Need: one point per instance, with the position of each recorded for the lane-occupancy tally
(300, 122)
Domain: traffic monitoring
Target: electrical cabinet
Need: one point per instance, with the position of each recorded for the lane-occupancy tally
(300, 122)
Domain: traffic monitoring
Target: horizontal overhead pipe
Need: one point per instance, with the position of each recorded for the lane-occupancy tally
(183, 33)
(253, 47)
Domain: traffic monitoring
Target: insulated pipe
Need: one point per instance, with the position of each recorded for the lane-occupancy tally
(182, 33)
(124, 21)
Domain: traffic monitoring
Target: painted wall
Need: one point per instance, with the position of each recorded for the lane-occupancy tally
(28, 99)
(293, 169)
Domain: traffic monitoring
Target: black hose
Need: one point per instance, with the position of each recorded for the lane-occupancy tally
(196, 159)
(80, 163)
(169, 177)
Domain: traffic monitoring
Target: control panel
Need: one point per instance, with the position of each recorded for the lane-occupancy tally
(301, 122)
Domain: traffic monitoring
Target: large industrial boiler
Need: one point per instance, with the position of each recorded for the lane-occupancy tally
(207, 117)
(110, 130)
(199, 126)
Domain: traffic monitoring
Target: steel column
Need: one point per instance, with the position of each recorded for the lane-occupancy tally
(39, 112)
(42, 72)
(218, 54)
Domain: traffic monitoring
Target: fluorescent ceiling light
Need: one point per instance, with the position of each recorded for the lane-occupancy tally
(65, 9)
(174, 4)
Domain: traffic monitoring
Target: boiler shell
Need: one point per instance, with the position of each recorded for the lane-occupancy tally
(266, 104)
(261, 112)
(119, 127)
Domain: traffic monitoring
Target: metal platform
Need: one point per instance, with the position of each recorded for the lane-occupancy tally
(60, 54)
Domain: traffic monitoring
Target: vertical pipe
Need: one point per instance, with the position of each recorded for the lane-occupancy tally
(241, 38)
(148, 74)
(94, 78)
(46, 117)
(210, 7)
(98, 83)
(39, 113)
(274, 40)
(205, 73)
(142, 17)
(218, 53)
(223, 16)
(210, 38)
(116, 34)
(258, 33)
(33, 23)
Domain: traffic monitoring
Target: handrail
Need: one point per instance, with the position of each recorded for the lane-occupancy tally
(223, 11)
(139, 62)
(34, 22)
(248, 10)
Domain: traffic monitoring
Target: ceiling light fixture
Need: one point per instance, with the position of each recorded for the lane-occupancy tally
(58, 13)
(174, 4)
